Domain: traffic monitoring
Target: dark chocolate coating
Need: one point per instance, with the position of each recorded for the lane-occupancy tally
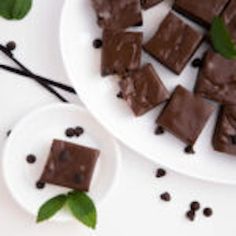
(117, 14)
(143, 90)
(200, 11)
(223, 140)
(121, 52)
(229, 16)
(146, 4)
(66, 162)
(185, 115)
(174, 43)
(217, 79)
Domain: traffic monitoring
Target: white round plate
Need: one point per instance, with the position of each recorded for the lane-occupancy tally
(34, 134)
(82, 62)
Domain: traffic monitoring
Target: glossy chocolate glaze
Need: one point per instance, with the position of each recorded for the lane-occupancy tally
(113, 14)
(185, 115)
(200, 11)
(225, 132)
(143, 90)
(174, 43)
(121, 52)
(146, 4)
(70, 165)
(217, 79)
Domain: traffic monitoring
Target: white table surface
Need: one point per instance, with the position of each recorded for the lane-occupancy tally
(134, 208)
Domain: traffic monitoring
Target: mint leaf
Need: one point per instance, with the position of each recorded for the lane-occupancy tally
(83, 208)
(15, 9)
(221, 39)
(51, 207)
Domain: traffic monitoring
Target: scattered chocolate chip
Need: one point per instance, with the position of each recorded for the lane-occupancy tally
(233, 139)
(8, 133)
(160, 173)
(31, 158)
(70, 132)
(78, 131)
(165, 197)
(196, 63)
(97, 43)
(79, 178)
(40, 185)
(207, 212)
(11, 45)
(190, 215)
(194, 206)
(120, 95)
(189, 149)
(159, 130)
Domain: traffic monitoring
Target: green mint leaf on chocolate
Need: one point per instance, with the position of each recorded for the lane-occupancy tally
(221, 39)
(14, 9)
(83, 208)
(51, 207)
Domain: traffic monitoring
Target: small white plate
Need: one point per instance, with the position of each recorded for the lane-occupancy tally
(77, 31)
(34, 134)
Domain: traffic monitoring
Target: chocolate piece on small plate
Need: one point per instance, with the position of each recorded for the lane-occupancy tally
(174, 43)
(121, 52)
(200, 11)
(70, 165)
(113, 14)
(224, 139)
(143, 90)
(229, 16)
(146, 4)
(217, 79)
(185, 115)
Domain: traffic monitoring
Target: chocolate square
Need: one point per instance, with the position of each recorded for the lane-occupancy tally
(121, 52)
(224, 139)
(200, 11)
(70, 165)
(229, 16)
(146, 4)
(174, 43)
(185, 115)
(118, 14)
(217, 79)
(143, 90)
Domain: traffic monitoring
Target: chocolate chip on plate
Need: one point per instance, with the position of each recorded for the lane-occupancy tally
(11, 45)
(207, 212)
(78, 131)
(159, 130)
(97, 43)
(8, 133)
(70, 132)
(190, 215)
(160, 173)
(194, 206)
(189, 150)
(31, 158)
(40, 185)
(196, 63)
(165, 197)
(120, 95)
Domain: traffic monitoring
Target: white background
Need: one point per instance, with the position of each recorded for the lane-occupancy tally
(134, 208)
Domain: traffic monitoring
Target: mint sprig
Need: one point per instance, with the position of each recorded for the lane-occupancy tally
(14, 9)
(79, 203)
(221, 39)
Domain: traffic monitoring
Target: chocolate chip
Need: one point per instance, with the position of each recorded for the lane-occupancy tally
(11, 45)
(196, 63)
(120, 95)
(79, 178)
(190, 215)
(97, 43)
(159, 130)
(70, 132)
(78, 131)
(233, 139)
(40, 185)
(195, 206)
(165, 197)
(160, 173)
(207, 212)
(189, 149)
(31, 158)
(8, 133)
